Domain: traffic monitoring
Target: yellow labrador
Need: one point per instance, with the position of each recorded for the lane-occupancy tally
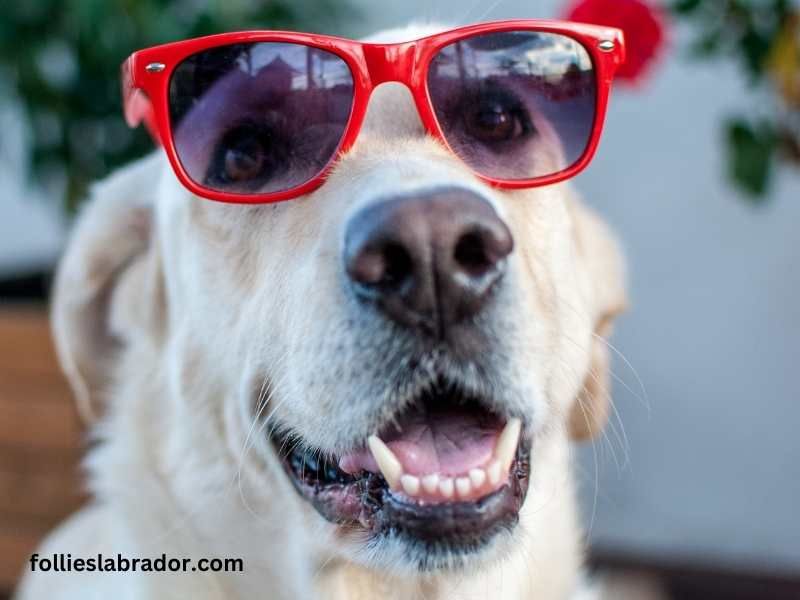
(257, 396)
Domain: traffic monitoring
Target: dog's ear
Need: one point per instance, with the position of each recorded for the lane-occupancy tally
(598, 249)
(109, 285)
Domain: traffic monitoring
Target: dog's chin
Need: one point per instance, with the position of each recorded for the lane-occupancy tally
(439, 487)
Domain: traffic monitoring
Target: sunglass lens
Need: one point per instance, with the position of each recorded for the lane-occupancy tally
(258, 118)
(515, 105)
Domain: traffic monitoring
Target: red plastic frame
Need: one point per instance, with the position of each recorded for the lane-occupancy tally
(146, 75)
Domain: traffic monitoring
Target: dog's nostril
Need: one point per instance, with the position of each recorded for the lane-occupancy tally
(480, 250)
(471, 254)
(398, 265)
(383, 266)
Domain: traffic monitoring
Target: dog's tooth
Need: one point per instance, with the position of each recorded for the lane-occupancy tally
(494, 472)
(410, 484)
(477, 477)
(430, 483)
(446, 487)
(507, 443)
(387, 462)
(463, 486)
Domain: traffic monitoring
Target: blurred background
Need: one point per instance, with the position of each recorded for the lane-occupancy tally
(698, 476)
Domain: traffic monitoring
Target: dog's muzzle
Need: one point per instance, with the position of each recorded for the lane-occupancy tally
(448, 470)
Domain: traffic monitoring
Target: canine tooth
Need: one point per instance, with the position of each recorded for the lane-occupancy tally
(410, 484)
(507, 443)
(446, 487)
(430, 483)
(463, 486)
(477, 477)
(494, 472)
(387, 462)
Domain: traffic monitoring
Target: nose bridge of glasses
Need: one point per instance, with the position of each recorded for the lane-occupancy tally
(389, 62)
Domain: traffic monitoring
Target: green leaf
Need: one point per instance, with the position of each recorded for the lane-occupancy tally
(751, 150)
(755, 47)
(685, 7)
(87, 140)
(708, 44)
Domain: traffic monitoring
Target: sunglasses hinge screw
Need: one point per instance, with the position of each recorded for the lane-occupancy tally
(155, 67)
(606, 45)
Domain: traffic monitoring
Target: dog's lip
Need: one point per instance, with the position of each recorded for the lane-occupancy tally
(367, 504)
(363, 500)
(461, 524)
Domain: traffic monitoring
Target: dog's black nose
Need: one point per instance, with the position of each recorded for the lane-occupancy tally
(429, 260)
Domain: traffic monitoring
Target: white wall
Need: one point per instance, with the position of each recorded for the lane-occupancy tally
(31, 228)
(714, 334)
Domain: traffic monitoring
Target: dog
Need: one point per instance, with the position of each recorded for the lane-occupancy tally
(247, 401)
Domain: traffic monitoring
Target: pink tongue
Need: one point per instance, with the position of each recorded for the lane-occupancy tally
(443, 442)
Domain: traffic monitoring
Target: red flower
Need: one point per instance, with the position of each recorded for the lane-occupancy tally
(642, 23)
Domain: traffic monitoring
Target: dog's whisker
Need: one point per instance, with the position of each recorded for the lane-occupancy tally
(319, 570)
(581, 314)
(489, 10)
(587, 412)
(465, 17)
(596, 478)
(643, 400)
(633, 370)
(606, 394)
(261, 404)
(268, 389)
(621, 435)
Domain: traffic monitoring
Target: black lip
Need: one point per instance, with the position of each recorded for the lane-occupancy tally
(458, 524)
(365, 503)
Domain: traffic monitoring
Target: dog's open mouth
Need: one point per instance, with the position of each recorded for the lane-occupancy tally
(447, 472)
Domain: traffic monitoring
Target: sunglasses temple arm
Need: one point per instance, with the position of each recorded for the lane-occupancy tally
(138, 107)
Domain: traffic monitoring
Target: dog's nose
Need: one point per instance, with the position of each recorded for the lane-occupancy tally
(429, 260)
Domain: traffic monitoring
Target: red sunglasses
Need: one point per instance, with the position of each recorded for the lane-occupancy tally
(258, 117)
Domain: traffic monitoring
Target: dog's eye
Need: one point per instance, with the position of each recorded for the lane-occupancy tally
(493, 116)
(244, 160)
(491, 122)
(247, 155)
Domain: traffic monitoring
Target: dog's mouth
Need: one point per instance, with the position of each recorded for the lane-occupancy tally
(447, 473)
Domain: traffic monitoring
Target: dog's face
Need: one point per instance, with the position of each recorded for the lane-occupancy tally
(395, 349)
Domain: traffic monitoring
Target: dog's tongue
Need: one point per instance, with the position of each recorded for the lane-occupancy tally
(447, 442)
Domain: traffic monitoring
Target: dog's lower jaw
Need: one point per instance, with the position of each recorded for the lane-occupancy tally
(542, 562)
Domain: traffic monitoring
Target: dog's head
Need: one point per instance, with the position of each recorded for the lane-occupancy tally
(399, 346)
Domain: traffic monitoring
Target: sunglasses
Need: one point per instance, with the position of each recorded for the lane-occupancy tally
(261, 116)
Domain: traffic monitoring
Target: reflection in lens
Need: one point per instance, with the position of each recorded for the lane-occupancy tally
(258, 118)
(515, 105)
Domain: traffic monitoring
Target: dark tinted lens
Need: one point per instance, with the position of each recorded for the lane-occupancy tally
(258, 118)
(515, 105)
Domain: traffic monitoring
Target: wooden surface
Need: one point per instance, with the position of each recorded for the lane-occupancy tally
(40, 439)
